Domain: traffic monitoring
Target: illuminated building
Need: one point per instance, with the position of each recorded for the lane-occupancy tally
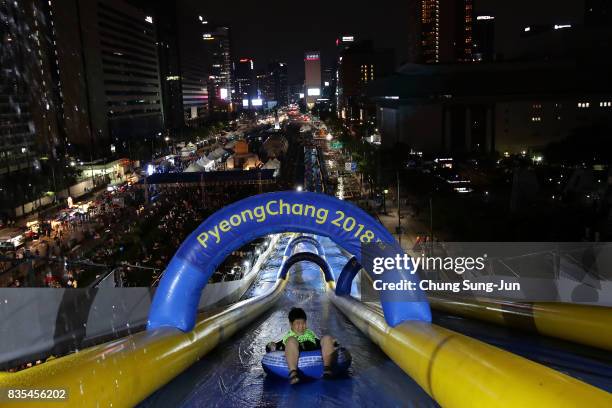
(484, 38)
(170, 36)
(359, 65)
(244, 80)
(17, 131)
(109, 71)
(312, 80)
(218, 41)
(278, 87)
(445, 31)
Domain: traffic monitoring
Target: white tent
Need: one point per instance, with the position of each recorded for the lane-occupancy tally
(188, 150)
(216, 154)
(206, 163)
(194, 168)
(273, 164)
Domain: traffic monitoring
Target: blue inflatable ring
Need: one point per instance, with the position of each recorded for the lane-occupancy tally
(310, 363)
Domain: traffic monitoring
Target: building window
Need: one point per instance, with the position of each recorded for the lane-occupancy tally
(536, 118)
(605, 104)
(583, 105)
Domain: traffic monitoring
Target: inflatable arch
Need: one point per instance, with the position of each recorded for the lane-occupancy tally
(176, 299)
(309, 257)
(304, 239)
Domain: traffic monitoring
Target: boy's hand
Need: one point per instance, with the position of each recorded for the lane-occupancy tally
(271, 346)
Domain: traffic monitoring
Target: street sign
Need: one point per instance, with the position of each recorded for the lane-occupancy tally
(353, 167)
(336, 145)
(348, 166)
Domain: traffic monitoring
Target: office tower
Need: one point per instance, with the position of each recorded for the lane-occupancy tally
(32, 132)
(17, 130)
(312, 81)
(194, 64)
(360, 64)
(219, 54)
(244, 78)
(484, 39)
(109, 72)
(278, 88)
(445, 31)
(328, 83)
(165, 17)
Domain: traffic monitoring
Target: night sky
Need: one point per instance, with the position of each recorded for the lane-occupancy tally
(285, 29)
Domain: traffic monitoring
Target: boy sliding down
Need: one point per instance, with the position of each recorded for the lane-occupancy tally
(300, 338)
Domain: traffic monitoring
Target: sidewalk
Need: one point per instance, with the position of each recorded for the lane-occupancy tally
(412, 228)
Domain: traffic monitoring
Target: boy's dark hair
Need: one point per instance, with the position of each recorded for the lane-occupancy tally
(296, 313)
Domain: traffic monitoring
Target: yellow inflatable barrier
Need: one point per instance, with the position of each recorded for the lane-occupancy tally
(589, 325)
(458, 371)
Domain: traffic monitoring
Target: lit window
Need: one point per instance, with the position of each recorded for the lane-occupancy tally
(584, 104)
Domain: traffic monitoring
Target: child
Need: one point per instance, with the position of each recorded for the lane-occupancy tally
(301, 338)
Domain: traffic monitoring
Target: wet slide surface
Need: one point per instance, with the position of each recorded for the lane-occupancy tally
(232, 376)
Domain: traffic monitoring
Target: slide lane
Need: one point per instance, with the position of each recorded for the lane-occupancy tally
(232, 375)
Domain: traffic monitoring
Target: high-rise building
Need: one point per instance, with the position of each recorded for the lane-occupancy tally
(17, 130)
(244, 79)
(194, 64)
(165, 16)
(32, 122)
(327, 78)
(359, 65)
(220, 68)
(262, 84)
(108, 65)
(445, 31)
(484, 38)
(335, 89)
(312, 81)
(278, 86)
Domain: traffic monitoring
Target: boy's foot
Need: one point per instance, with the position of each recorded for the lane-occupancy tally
(294, 377)
(327, 372)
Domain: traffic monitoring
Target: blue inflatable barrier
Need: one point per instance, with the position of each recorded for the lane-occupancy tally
(308, 257)
(176, 299)
(310, 363)
(304, 239)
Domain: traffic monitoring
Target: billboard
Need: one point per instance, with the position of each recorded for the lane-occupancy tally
(314, 91)
(312, 56)
(257, 102)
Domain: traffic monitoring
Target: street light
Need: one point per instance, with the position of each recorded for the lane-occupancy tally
(385, 192)
(299, 188)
